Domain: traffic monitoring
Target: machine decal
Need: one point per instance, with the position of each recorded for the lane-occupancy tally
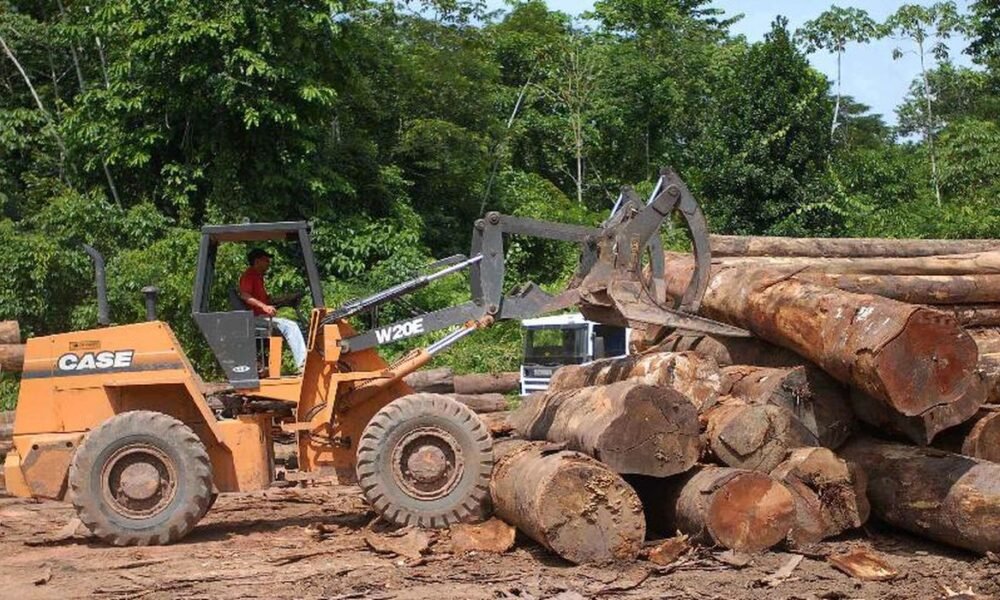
(399, 331)
(99, 361)
(241, 369)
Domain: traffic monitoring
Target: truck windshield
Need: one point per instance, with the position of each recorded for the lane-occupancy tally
(555, 345)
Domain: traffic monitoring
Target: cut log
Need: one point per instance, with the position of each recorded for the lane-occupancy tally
(987, 339)
(974, 315)
(979, 437)
(631, 427)
(482, 403)
(911, 358)
(717, 506)
(981, 263)
(915, 289)
(735, 245)
(497, 423)
(829, 495)
(10, 332)
(732, 351)
(11, 357)
(438, 381)
(488, 383)
(816, 400)
(940, 495)
(566, 501)
(989, 371)
(921, 429)
(695, 376)
(756, 437)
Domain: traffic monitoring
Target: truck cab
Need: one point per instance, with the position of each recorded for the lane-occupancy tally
(566, 339)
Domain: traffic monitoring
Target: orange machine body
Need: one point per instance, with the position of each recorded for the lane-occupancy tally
(73, 382)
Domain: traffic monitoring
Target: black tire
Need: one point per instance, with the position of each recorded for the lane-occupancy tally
(161, 474)
(433, 431)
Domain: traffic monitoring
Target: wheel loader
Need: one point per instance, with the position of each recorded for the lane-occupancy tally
(117, 421)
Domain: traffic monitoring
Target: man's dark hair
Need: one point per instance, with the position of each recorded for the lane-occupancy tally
(256, 253)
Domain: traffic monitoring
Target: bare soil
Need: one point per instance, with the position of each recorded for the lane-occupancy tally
(309, 542)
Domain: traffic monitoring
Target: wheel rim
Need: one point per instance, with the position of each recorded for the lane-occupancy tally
(427, 463)
(138, 481)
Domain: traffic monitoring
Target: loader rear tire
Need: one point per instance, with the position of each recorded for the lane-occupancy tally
(426, 460)
(141, 478)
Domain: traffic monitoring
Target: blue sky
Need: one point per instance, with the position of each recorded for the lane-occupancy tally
(870, 73)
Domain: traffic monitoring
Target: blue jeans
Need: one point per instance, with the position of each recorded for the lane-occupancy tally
(293, 337)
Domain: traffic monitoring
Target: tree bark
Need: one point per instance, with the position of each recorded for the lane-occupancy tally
(437, 381)
(10, 332)
(732, 351)
(488, 383)
(989, 371)
(921, 429)
(978, 263)
(910, 358)
(567, 502)
(11, 357)
(753, 436)
(734, 245)
(482, 403)
(695, 376)
(497, 423)
(940, 495)
(987, 339)
(914, 289)
(632, 428)
(717, 506)
(829, 495)
(817, 401)
(974, 315)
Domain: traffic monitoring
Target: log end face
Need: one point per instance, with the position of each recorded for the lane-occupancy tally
(932, 361)
(751, 512)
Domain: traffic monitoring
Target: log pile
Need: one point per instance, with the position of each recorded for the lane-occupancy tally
(482, 392)
(11, 348)
(870, 386)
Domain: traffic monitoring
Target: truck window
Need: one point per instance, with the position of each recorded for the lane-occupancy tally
(614, 340)
(555, 346)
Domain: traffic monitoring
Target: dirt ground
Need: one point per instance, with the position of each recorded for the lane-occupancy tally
(310, 543)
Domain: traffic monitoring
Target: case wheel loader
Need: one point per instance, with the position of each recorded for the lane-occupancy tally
(116, 420)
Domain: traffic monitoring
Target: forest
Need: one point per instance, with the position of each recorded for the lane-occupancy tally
(392, 126)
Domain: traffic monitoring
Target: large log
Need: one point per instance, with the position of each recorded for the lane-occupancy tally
(753, 436)
(816, 400)
(631, 427)
(974, 315)
(981, 263)
(940, 495)
(10, 332)
(482, 403)
(915, 289)
(733, 245)
(695, 376)
(11, 357)
(438, 381)
(488, 383)
(987, 339)
(567, 501)
(829, 494)
(732, 351)
(742, 510)
(908, 357)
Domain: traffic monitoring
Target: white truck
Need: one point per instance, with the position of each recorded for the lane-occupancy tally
(567, 339)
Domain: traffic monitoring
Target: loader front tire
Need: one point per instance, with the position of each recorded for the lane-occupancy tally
(426, 460)
(141, 478)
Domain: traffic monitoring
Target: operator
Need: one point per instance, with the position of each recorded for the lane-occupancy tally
(254, 294)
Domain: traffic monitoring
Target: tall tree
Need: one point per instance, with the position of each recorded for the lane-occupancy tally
(927, 27)
(832, 31)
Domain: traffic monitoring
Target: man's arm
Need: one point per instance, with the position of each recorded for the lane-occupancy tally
(252, 302)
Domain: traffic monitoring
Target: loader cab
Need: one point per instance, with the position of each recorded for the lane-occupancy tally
(231, 334)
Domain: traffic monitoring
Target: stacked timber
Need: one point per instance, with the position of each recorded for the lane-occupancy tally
(482, 392)
(11, 348)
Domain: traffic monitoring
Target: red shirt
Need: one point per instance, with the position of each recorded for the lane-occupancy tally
(252, 284)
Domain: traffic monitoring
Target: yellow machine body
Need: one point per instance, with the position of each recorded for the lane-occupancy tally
(73, 382)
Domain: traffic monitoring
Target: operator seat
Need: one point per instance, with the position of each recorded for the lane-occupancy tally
(262, 329)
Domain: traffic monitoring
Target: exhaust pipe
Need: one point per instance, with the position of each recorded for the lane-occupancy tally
(103, 314)
(150, 292)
